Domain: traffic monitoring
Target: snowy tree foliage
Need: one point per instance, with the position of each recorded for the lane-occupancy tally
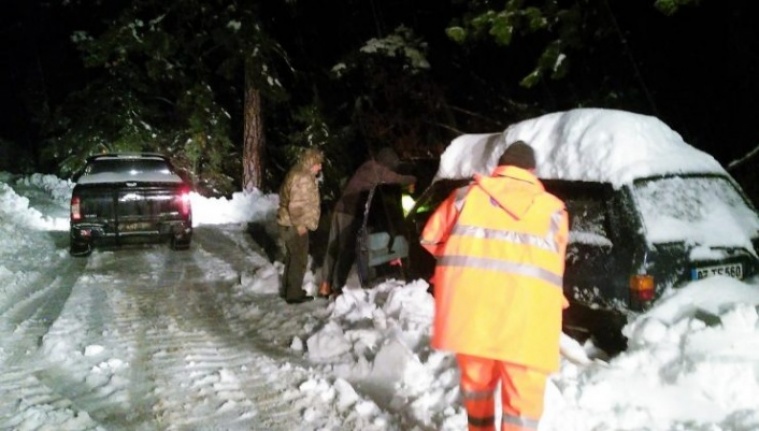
(565, 27)
(232, 90)
(172, 75)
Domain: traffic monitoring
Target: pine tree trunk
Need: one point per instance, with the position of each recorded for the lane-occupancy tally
(253, 144)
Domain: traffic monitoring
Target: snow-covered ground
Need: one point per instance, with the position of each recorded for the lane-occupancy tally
(147, 338)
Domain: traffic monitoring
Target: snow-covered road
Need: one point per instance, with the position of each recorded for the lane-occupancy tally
(146, 338)
(145, 342)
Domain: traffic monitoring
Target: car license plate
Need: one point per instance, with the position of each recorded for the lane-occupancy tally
(734, 270)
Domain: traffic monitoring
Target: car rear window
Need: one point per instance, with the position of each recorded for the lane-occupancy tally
(706, 210)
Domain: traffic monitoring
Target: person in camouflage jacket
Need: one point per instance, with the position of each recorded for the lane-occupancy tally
(299, 211)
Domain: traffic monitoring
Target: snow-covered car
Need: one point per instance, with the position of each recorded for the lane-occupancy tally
(647, 211)
(121, 198)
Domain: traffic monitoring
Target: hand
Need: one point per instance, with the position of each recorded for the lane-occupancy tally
(302, 230)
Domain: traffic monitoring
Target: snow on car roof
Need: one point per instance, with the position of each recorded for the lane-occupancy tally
(120, 177)
(584, 144)
(128, 167)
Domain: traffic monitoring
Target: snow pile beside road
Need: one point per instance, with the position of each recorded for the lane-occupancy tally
(58, 188)
(16, 215)
(243, 207)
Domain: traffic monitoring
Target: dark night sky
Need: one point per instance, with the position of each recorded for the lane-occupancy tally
(700, 67)
(35, 52)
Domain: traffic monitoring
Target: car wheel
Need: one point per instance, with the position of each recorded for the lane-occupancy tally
(603, 326)
(610, 339)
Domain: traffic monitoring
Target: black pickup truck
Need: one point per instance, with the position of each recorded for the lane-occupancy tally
(124, 198)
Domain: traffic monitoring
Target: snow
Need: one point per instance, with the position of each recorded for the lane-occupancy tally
(154, 177)
(155, 339)
(400, 42)
(147, 168)
(585, 144)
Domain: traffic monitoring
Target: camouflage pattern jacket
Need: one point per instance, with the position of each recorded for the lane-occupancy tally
(299, 202)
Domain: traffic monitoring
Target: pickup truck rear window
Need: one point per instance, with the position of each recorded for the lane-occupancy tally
(110, 170)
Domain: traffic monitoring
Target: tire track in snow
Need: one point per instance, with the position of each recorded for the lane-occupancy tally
(142, 348)
(87, 362)
(231, 245)
(25, 402)
(51, 387)
(244, 385)
(169, 361)
(144, 342)
(28, 316)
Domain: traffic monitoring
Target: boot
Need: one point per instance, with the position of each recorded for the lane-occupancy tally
(324, 290)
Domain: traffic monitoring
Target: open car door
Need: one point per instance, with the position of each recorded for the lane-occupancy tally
(381, 248)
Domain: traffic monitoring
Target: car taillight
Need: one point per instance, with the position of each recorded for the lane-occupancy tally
(642, 287)
(184, 201)
(76, 209)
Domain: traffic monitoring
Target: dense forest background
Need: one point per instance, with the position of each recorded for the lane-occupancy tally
(232, 90)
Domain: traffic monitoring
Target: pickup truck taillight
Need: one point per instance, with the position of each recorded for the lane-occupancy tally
(76, 208)
(184, 201)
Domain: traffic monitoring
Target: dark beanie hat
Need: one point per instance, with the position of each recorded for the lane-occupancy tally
(388, 157)
(518, 154)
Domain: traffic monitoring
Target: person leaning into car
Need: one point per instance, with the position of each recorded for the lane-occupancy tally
(299, 211)
(344, 226)
(500, 244)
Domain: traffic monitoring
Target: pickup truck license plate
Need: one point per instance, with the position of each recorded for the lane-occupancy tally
(734, 270)
(134, 226)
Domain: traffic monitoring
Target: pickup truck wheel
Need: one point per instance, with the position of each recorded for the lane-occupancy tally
(80, 250)
(180, 244)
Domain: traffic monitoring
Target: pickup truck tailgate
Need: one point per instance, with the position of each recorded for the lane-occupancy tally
(126, 198)
(132, 207)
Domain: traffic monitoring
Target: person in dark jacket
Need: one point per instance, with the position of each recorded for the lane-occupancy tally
(299, 211)
(341, 250)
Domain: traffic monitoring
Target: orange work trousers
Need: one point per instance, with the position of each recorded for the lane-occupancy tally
(522, 392)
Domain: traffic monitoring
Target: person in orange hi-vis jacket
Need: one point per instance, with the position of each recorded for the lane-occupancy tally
(500, 244)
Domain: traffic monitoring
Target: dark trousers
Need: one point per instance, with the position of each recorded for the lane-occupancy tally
(296, 261)
(341, 250)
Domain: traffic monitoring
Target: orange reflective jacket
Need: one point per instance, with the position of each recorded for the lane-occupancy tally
(500, 244)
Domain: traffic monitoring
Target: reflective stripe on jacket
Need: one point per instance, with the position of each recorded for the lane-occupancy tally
(500, 245)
